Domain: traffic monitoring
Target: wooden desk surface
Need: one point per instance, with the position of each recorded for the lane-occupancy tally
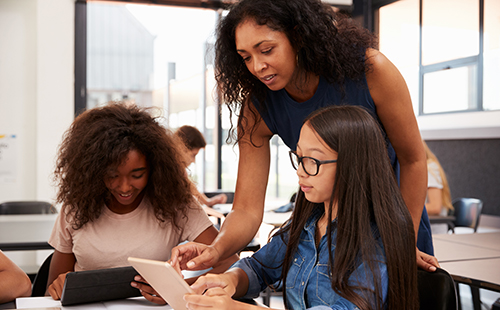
(483, 273)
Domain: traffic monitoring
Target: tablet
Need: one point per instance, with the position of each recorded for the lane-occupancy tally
(164, 279)
(98, 285)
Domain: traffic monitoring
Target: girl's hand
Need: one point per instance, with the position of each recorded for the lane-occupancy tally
(56, 288)
(210, 281)
(221, 198)
(214, 298)
(147, 291)
(426, 261)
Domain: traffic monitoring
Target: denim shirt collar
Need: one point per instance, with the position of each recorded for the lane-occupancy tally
(310, 226)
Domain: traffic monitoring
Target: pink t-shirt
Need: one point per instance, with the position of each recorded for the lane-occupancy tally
(108, 241)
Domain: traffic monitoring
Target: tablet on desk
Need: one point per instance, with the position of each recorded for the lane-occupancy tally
(164, 279)
(99, 285)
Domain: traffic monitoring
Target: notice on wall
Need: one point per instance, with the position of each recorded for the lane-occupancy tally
(8, 158)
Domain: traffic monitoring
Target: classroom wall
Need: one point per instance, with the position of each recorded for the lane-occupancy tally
(467, 145)
(36, 91)
(472, 168)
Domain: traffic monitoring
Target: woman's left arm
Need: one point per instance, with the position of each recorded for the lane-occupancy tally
(394, 108)
(207, 237)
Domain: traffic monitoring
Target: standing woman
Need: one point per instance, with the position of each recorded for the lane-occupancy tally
(276, 62)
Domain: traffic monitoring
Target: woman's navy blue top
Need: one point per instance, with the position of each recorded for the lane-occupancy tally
(285, 116)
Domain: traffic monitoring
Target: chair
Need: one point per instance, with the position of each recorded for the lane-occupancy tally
(436, 290)
(40, 282)
(467, 212)
(26, 207)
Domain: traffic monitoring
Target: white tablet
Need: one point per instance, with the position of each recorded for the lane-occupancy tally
(164, 279)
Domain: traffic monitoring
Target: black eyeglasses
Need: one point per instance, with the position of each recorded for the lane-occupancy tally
(309, 164)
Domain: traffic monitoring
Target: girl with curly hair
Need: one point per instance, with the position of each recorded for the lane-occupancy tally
(350, 242)
(124, 192)
(276, 62)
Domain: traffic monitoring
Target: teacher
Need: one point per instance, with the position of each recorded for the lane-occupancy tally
(276, 62)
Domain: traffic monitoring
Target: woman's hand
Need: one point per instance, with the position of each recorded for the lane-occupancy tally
(56, 288)
(147, 291)
(215, 298)
(426, 261)
(193, 256)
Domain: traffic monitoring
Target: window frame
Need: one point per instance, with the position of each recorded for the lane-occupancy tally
(476, 60)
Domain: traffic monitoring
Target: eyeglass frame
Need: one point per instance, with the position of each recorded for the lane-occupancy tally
(317, 161)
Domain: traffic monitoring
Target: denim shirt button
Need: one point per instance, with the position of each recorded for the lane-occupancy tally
(302, 283)
(295, 260)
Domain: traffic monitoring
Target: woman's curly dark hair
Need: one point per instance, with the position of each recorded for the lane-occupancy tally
(100, 139)
(328, 44)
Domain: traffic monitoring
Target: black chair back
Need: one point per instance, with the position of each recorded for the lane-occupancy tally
(40, 282)
(26, 207)
(467, 212)
(436, 290)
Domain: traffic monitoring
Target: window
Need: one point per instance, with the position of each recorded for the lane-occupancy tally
(139, 53)
(491, 55)
(459, 52)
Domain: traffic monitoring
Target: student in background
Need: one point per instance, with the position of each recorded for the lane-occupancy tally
(124, 192)
(14, 282)
(438, 191)
(350, 242)
(194, 141)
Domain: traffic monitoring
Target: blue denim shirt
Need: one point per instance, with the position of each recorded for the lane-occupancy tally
(308, 283)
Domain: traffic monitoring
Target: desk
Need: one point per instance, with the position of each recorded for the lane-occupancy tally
(135, 303)
(449, 251)
(482, 273)
(26, 232)
(472, 259)
(440, 219)
(276, 219)
(483, 240)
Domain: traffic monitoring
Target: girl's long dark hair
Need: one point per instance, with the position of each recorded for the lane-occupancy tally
(328, 44)
(367, 192)
(100, 139)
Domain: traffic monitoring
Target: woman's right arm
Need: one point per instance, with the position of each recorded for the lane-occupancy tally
(60, 265)
(243, 222)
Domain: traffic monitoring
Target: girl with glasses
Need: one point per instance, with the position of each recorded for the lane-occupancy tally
(277, 61)
(349, 243)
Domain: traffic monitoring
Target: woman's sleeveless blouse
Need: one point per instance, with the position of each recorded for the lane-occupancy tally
(284, 117)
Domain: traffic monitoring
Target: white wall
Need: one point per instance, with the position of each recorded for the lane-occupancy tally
(36, 90)
(463, 125)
